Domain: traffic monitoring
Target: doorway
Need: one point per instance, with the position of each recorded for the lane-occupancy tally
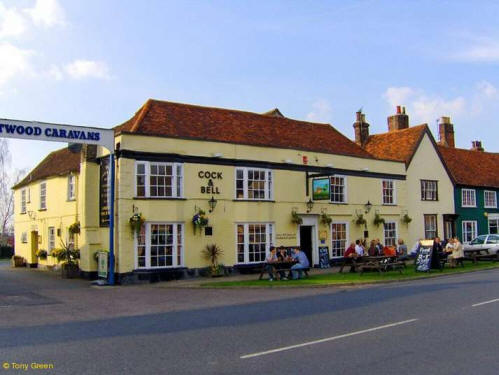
(306, 241)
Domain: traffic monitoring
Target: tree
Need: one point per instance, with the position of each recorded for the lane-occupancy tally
(8, 178)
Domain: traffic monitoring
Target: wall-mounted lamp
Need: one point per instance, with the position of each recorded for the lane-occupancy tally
(32, 215)
(310, 205)
(212, 203)
(368, 206)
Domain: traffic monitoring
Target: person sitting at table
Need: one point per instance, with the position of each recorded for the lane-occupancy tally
(350, 255)
(389, 251)
(359, 249)
(372, 251)
(455, 248)
(301, 263)
(402, 250)
(415, 248)
(282, 255)
(379, 247)
(269, 260)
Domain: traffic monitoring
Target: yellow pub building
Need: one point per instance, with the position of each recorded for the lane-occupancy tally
(248, 180)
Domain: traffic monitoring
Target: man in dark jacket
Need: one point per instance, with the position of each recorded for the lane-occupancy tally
(435, 253)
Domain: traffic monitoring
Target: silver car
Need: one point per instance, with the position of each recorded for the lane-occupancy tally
(487, 243)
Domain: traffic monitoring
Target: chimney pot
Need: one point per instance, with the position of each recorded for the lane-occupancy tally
(477, 146)
(361, 128)
(358, 115)
(398, 110)
(446, 132)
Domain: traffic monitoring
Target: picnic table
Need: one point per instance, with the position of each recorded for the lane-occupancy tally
(476, 254)
(373, 263)
(278, 267)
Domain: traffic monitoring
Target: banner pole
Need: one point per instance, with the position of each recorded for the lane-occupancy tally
(111, 220)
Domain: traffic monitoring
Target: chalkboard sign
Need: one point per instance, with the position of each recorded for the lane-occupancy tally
(423, 261)
(323, 257)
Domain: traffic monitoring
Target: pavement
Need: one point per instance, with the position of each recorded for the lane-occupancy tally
(443, 325)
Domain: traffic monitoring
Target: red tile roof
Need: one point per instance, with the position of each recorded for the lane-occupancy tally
(398, 145)
(57, 163)
(166, 119)
(472, 168)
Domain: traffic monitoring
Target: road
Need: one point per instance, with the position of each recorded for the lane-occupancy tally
(445, 325)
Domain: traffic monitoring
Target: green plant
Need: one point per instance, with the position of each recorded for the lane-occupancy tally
(406, 219)
(66, 253)
(359, 220)
(74, 228)
(42, 254)
(199, 220)
(212, 253)
(295, 218)
(378, 220)
(326, 220)
(136, 221)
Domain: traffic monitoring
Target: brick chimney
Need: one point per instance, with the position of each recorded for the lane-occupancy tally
(446, 132)
(477, 146)
(361, 129)
(399, 120)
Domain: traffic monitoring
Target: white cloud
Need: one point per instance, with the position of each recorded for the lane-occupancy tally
(424, 108)
(47, 13)
(14, 62)
(80, 69)
(12, 22)
(321, 112)
(55, 72)
(479, 49)
(487, 89)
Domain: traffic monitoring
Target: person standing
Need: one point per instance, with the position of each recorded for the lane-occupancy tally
(435, 253)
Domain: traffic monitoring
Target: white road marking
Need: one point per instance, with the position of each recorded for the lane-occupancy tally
(484, 303)
(326, 339)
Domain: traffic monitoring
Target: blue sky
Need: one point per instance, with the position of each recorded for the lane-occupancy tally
(96, 62)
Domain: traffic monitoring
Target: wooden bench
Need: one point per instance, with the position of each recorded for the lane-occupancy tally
(382, 265)
(276, 269)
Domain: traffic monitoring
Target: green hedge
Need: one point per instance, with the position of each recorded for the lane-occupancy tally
(6, 251)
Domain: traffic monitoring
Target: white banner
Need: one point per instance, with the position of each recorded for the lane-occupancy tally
(42, 131)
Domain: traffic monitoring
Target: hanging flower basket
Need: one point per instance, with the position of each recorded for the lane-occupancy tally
(295, 218)
(360, 220)
(406, 219)
(199, 220)
(75, 228)
(136, 222)
(378, 220)
(42, 254)
(326, 220)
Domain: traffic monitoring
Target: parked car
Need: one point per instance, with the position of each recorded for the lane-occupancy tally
(489, 242)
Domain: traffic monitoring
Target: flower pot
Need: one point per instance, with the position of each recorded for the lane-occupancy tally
(17, 261)
(70, 271)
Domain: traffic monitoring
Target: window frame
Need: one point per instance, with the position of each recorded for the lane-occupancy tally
(268, 184)
(175, 186)
(347, 229)
(24, 201)
(424, 189)
(51, 233)
(270, 240)
(489, 221)
(395, 238)
(485, 199)
(71, 187)
(394, 192)
(475, 229)
(345, 189)
(473, 191)
(175, 245)
(425, 228)
(43, 198)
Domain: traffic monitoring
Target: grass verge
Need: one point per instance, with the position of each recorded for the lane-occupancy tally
(346, 278)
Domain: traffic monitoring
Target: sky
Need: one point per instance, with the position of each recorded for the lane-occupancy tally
(95, 62)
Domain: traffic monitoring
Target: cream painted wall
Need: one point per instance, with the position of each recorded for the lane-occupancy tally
(60, 214)
(289, 193)
(426, 165)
